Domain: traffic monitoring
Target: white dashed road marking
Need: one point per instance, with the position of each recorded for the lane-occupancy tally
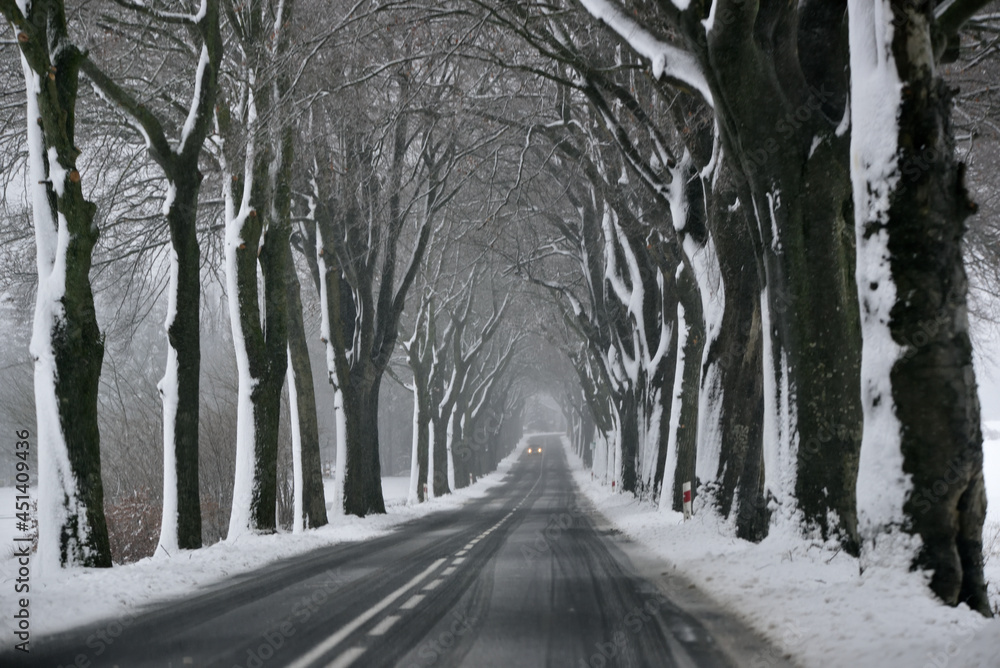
(412, 602)
(347, 658)
(384, 625)
(308, 658)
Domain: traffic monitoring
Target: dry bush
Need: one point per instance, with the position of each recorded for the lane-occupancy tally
(214, 520)
(133, 526)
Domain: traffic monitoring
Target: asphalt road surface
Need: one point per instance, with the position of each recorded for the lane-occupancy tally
(527, 576)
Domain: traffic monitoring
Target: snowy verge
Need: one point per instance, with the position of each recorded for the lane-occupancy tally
(69, 598)
(812, 602)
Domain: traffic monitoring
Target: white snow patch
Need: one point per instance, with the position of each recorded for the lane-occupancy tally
(882, 486)
(341, 464)
(413, 493)
(664, 58)
(169, 396)
(57, 174)
(204, 62)
(810, 602)
(709, 23)
(817, 140)
(780, 443)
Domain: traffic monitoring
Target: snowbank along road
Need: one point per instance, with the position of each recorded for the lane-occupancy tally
(521, 577)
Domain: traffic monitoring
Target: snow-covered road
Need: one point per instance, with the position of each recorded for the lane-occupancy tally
(523, 576)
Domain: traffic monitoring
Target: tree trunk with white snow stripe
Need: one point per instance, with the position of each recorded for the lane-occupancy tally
(921, 497)
(67, 344)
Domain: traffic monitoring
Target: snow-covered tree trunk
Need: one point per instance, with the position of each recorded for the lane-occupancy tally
(689, 210)
(66, 344)
(717, 245)
(461, 453)
(921, 497)
(684, 426)
(613, 473)
(298, 505)
(237, 217)
(421, 355)
(257, 254)
(587, 437)
(437, 476)
(325, 283)
(414, 493)
(259, 326)
(302, 396)
(181, 524)
(450, 421)
(669, 473)
(431, 460)
(341, 459)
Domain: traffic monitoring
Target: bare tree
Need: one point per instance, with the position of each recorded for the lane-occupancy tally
(179, 388)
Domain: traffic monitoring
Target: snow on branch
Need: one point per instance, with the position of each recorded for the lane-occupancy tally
(951, 14)
(666, 59)
(166, 17)
(196, 109)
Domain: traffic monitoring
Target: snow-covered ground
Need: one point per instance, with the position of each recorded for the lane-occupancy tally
(64, 599)
(394, 490)
(812, 602)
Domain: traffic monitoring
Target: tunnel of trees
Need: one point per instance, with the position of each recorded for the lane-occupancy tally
(269, 242)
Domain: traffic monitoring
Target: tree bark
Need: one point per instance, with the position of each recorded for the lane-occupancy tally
(423, 420)
(313, 498)
(737, 351)
(686, 437)
(440, 455)
(921, 461)
(794, 166)
(587, 438)
(68, 346)
(628, 415)
(363, 476)
(184, 337)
